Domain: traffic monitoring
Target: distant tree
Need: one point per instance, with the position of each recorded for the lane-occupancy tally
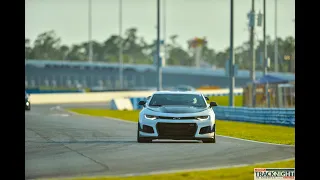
(136, 50)
(177, 55)
(27, 48)
(64, 51)
(46, 46)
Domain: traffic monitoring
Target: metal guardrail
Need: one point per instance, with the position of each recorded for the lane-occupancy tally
(276, 116)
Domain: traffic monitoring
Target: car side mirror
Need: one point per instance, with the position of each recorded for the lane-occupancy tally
(213, 104)
(206, 98)
(142, 103)
(148, 97)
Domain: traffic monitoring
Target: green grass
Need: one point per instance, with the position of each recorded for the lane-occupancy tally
(258, 132)
(239, 173)
(224, 100)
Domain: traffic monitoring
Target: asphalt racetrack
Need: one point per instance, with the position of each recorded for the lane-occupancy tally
(62, 144)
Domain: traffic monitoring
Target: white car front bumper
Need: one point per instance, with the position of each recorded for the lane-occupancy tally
(177, 129)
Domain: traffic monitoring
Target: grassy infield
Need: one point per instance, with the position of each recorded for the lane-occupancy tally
(259, 132)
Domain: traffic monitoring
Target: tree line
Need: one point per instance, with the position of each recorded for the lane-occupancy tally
(47, 46)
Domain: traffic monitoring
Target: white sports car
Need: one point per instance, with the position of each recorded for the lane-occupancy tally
(176, 115)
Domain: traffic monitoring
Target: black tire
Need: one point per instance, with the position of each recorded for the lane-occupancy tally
(142, 139)
(210, 140)
(28, 108)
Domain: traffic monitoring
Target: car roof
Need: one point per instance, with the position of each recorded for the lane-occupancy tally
(178, 92)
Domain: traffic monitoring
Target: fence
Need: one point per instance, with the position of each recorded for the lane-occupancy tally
(276, 116)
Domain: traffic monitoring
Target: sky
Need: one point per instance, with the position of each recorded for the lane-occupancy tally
(186, 18)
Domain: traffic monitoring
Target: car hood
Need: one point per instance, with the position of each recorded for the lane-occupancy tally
(177, 109)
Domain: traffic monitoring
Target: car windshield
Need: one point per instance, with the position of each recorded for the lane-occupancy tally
(177, 99)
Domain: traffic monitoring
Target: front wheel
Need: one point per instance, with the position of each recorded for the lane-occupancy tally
(28, 108)
(210, 140)
(142, 139)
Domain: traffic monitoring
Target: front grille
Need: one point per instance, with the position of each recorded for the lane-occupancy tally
(177, 129)
(176, 118)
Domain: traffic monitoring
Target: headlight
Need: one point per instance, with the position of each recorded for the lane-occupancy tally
(203, 118)
(150, 117)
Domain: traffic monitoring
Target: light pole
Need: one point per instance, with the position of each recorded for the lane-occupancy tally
(265, 55)
(164, 30)
(264, 39)
(120, 47)
(276, 60)
(294, 53)
(159, 70)
(276, 65)
(252, 52)
(231, 63)
(90, 31)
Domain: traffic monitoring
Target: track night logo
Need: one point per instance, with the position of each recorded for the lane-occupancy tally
(274, 173)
